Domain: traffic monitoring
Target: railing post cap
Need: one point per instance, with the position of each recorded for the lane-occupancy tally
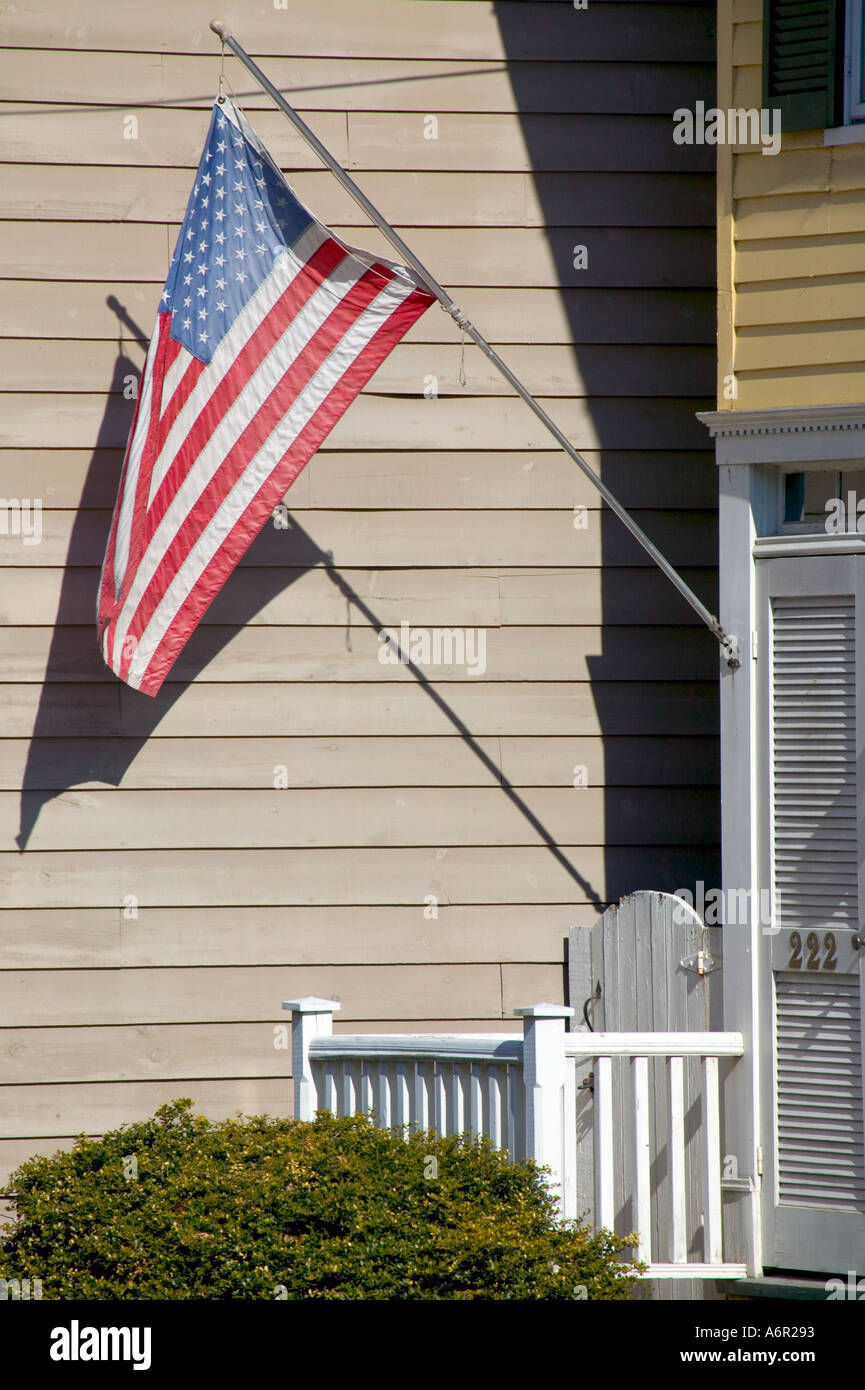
(544, 1011)
(311, 1005)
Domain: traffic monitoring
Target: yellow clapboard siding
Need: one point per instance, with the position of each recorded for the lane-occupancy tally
(813, 344)
(747, 86)
(835, 299)
(799, 215)
(794, 171)
(823, 386)
(242, 936)
(349, 817)
(848, 167)
(747, 43)
(799, 258)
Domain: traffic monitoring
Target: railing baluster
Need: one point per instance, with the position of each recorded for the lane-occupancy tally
(477, 1075)
(712, 1238)
(401, 1098)
(457, 1098)
(605, 1202)
(679, 1235)
(642, 1170)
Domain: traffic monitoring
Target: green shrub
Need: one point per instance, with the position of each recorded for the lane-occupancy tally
(177, 1207)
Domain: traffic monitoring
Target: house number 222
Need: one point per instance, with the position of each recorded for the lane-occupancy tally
(812, 947)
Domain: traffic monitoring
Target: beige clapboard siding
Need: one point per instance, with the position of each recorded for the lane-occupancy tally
(278, 709)
(374, 480)
(428, 538)
(146, 1052)
(46, 998)
(95, 193)
(357, 762)
(71, 309)
(182, 879)
(82, 421)
(360, 140)
(468, 597)
(339, 83)
(28, 364)
(525, 166)
(450, 29)
(55, 1113)
(520, 256)
(71, 939)
(318, 654)
(365, 817)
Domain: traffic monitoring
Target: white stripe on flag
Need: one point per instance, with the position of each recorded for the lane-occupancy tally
(285, 269)
(325, 380)
(174, 376)
(263, 381)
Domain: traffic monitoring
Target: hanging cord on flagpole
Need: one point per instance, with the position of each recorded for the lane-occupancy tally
(729, 644)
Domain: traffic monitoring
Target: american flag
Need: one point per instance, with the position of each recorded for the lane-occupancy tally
(268, 328)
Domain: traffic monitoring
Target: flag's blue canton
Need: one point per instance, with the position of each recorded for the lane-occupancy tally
(240, 216)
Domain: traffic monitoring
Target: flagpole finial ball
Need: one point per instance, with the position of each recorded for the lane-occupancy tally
(219, 28)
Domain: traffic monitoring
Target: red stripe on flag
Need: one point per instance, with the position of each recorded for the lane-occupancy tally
(272, 490)
(287, 307)
(318, 348)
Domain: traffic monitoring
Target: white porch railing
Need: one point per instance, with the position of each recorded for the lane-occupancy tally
(522, 1092)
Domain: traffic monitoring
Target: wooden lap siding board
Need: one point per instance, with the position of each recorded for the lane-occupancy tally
(441, 512)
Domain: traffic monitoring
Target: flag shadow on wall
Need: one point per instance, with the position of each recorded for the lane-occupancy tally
(89, 725)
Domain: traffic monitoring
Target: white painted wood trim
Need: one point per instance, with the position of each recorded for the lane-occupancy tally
(605, 1207)
(642, 1159)
(679, 1235)
(711, 1136)
(474, 1047)
(696, 1271)
(654, 1045)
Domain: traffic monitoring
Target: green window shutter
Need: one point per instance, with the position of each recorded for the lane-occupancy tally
(801, 66)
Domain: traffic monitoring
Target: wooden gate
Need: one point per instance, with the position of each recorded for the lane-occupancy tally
(649, 964)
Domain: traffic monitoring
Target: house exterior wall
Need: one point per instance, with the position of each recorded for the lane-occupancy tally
(160, 895)
(791, 283)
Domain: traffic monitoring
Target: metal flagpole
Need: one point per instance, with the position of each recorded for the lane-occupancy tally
(729, 644)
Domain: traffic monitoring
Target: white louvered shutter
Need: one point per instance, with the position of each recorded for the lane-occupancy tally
(816, 977)
(816, 858)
